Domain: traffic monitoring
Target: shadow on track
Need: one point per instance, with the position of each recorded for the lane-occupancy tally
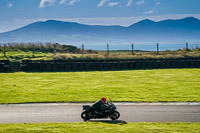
(110, 121)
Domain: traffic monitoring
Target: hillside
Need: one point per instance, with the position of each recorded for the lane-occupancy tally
(145, 31)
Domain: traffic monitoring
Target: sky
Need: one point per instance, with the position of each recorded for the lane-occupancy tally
(18, 13)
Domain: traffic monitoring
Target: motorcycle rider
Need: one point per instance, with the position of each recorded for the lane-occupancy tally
(97, 106)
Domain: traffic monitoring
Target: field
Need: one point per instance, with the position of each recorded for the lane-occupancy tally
(102, 127)
(126, 55)
(19, 55)
(98, 55)
(178, 85)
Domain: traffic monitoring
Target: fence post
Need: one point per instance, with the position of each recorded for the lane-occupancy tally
(82, 48)
(157, 48)
(33, 50)
(4, 50)
(54, 49)
(186, 45)
(108, 49)
(133, 49)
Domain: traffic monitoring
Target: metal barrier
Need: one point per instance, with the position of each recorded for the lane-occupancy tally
(95, 65)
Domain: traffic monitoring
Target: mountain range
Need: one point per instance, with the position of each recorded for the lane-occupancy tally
(145, 31)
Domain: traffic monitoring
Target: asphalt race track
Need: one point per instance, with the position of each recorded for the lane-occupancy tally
(59, 113)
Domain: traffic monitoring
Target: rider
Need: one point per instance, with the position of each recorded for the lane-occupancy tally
(97, 106)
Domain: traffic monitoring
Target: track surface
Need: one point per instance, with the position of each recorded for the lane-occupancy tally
(42, 113)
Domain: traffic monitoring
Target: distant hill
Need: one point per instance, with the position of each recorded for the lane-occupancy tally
(145, 31)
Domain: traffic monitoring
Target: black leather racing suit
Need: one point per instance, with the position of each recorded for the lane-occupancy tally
(97, 106)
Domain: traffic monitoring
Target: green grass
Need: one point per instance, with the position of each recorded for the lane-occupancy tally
(123, 55)
(178, 85)
(21, 55)
(97, 127)
(99, 55)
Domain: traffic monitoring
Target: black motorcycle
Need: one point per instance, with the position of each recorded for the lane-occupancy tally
(107, 110)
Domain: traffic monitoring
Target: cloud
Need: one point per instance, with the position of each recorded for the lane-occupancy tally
(69, 2)
(45, 3)
(63, 2)
(111, 4)
(73, 1)
(129, 2)
(157, 2)
(140, 2)
(149, 12)
(10, 4)
(101, 3)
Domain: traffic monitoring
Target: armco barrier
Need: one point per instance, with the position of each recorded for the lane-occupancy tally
(96, 65)
(5, 66)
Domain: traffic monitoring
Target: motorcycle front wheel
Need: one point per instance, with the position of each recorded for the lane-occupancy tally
(85, 115)
(115, 115)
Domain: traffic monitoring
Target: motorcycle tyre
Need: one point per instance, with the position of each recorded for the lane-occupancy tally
(118, 115)
(83, 114)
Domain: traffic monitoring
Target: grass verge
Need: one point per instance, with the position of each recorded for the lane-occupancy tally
(21, 55)
(94, 127)
(100, 55)
(178, 85)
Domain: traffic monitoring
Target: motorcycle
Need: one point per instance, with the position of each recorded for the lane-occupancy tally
(107, 110)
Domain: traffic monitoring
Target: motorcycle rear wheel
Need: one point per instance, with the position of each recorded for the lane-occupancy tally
(115, 115)
(85, 116)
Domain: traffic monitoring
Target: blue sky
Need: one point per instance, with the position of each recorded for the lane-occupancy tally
(18, 13)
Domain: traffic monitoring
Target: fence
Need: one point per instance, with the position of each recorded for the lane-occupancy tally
(157, 47)
(108, 48)
(98, 65)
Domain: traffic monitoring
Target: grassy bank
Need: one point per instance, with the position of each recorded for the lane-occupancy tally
(99, 55)
(139, 86)
(22, 55)
(93, 127)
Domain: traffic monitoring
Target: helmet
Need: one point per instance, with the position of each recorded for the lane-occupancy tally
(103, 99)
